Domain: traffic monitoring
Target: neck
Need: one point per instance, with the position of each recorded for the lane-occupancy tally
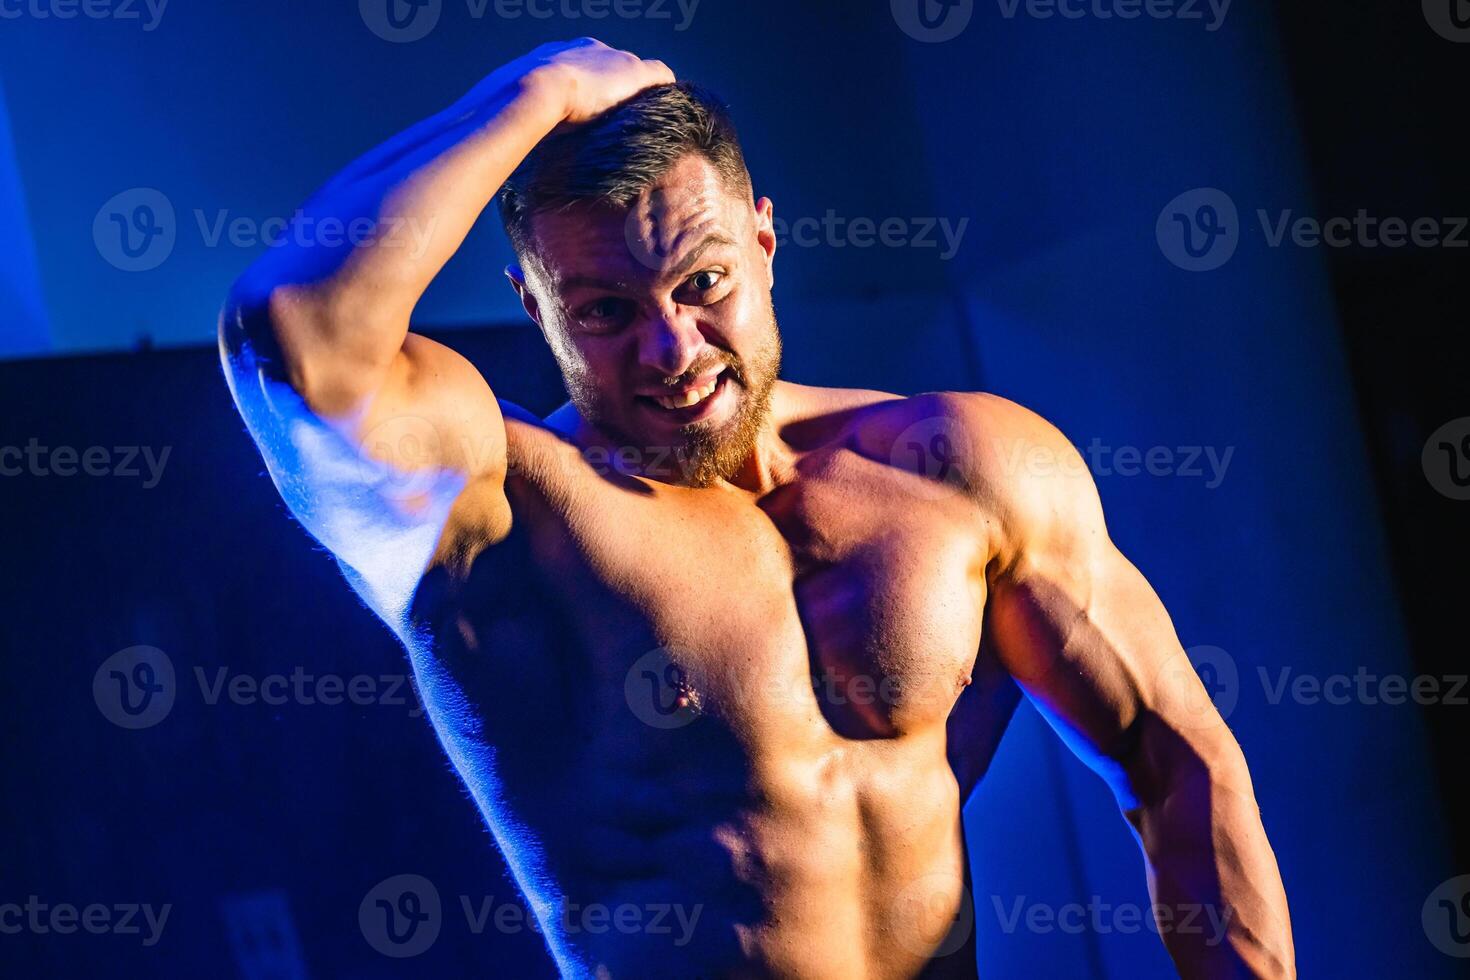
(769, 464)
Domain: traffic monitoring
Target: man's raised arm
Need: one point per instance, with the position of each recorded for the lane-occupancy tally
(372, 434)
(1091, 645)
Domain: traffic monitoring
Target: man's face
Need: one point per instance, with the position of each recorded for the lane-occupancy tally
(661, 317)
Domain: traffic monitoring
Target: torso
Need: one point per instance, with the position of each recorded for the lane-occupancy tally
(731, 707)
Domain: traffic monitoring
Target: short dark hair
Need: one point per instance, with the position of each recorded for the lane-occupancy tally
(616, 156)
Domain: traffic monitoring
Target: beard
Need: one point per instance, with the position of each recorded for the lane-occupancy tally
(703, 452)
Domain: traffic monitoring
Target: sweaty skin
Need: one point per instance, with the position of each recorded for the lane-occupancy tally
(725, 725)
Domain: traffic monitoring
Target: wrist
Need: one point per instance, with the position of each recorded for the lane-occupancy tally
(548, 88)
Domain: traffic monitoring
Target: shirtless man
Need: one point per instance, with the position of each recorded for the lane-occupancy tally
(704, 638)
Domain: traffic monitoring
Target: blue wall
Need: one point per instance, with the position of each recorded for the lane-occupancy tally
(22, 307)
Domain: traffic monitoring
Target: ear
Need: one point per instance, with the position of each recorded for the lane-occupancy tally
(765, 236)
(517, 277)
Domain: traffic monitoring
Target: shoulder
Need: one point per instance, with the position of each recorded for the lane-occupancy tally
(987, 437)
(1015, 465)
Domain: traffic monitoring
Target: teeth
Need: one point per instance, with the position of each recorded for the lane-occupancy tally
(688, 398)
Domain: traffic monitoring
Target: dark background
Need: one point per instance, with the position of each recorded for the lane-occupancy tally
(1376, 102)
(1326, 549)
(218, 800)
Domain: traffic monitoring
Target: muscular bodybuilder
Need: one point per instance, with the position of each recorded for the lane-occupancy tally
(704, 638)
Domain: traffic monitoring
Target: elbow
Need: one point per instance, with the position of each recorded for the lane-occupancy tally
(1164, 761)
(281, 333)
(251, 317)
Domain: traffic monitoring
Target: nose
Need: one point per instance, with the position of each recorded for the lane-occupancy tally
(670, 342)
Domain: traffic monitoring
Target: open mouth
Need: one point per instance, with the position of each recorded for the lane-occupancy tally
(691, 397)
(690, 404)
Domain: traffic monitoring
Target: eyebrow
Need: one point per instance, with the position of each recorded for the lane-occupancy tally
(692, 256)
(571, 283)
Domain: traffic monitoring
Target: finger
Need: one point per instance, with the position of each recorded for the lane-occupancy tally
(660, 71)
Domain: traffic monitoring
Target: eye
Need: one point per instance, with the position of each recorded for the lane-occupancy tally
(705, 288)
(706, 280)
(604, 314)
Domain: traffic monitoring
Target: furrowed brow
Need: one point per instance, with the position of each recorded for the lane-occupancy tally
(692, 256)
(575, 282)
(571, 283)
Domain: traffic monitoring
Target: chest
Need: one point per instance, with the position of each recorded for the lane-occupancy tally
(850, 597)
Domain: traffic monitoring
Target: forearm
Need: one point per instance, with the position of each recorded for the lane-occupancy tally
(396, 215)
(1217, 892)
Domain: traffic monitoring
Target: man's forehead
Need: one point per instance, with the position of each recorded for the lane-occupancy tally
(689, 210)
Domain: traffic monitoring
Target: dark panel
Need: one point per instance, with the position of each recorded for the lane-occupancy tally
(247, 818)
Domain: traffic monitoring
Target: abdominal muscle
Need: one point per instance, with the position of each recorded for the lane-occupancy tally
(837, 860)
